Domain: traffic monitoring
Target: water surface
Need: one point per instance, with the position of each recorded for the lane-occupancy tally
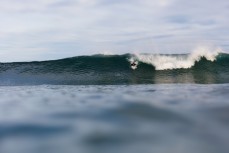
(165, 118)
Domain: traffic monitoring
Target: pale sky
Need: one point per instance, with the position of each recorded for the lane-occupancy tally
(53, 29)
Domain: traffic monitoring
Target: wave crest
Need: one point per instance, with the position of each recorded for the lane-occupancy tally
(166, 62)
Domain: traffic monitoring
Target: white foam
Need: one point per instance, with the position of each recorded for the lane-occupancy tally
(165, 62)
(133, 60)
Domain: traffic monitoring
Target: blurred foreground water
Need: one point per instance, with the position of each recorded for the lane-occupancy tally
(175, 118)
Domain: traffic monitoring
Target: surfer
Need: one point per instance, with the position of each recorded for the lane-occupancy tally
(133, 64)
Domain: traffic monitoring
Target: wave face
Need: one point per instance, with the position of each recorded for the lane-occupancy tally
(203, 68)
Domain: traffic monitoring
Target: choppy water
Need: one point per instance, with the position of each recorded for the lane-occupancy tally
(162, 118)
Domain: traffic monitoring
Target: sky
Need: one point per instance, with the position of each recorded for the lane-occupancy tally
(53, 29)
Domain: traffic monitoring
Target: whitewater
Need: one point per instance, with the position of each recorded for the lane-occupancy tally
(185, 61)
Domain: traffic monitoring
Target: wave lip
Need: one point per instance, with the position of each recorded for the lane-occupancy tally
(166, 62)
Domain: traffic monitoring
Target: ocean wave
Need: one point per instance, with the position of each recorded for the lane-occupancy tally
(201, 66)
(165, 62)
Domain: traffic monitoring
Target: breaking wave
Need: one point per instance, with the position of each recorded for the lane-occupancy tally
(201, 66)
(165, 62)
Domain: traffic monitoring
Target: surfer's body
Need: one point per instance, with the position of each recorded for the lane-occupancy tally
(134, 64)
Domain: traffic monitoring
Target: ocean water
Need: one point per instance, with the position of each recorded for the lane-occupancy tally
(201, 68)
(173, 118)
(100, 104)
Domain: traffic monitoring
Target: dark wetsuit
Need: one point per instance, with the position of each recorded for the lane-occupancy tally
(133, 64)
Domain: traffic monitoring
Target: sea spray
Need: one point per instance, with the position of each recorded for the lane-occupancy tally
(165, 62)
